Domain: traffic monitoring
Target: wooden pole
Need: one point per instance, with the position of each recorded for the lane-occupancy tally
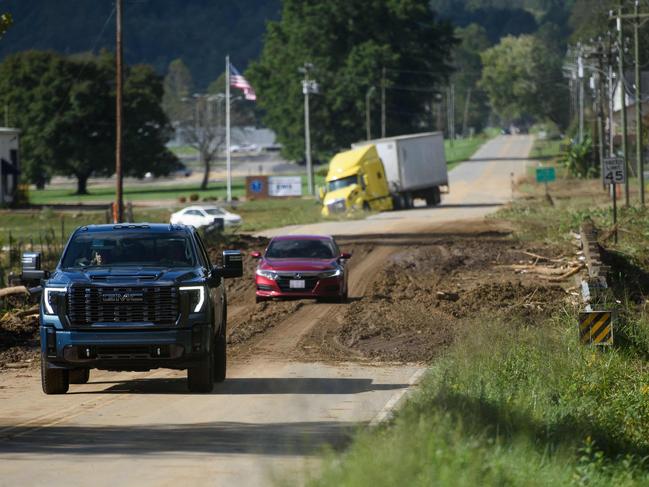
(119, 117)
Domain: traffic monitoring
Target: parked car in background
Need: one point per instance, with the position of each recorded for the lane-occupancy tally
(302, 266)
(201, 216)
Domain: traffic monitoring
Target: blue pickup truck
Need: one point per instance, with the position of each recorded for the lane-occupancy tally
(132, 297)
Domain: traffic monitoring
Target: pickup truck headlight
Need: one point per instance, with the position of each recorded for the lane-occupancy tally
(196, 297)
(272, 275)
(50, 299)
(333, 273)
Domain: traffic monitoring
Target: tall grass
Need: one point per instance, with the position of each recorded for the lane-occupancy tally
(512, 404)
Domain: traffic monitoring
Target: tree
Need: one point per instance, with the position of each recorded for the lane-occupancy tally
(177, 86)
(204, 130)
(5, 22)
(349, 43)
(65, 108)
(471, 102)
(523, 80)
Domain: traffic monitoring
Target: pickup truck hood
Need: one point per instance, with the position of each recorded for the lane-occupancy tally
(125, 275)
(292, 265)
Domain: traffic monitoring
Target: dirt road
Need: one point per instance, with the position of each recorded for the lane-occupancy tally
(300, 374)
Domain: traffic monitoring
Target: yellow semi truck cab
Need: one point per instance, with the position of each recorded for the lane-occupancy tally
(356, 180)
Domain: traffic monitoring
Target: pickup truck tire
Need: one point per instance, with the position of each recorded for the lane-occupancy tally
(54, 381)
(79, 376)
(220, 355)
(201, 378)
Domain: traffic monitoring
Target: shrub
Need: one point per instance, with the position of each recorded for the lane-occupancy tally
(193, 197)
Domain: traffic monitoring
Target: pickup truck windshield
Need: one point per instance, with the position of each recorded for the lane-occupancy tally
(113, 249)
(342, 182)
(300, 249)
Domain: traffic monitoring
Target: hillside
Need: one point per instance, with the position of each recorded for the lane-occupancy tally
(201, 32)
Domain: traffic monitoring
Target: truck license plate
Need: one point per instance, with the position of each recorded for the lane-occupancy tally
(296, 284)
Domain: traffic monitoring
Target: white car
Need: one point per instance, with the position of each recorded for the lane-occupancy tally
(200, 216)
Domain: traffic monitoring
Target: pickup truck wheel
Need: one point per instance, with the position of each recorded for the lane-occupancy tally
(201, 378)
(54, 381)
(220, 356)
(79, 376)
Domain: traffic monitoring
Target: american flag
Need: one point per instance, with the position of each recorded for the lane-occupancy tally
(238, 81)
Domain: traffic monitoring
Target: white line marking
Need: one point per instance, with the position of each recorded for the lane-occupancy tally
(390, 406)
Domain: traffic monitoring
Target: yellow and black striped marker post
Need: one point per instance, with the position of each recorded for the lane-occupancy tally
(596, 327)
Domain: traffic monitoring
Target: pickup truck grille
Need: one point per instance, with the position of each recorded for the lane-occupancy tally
(88, 305)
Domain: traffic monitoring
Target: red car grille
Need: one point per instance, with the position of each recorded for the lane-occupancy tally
(284, 284)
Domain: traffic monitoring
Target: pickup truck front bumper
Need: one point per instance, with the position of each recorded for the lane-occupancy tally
(125, 350)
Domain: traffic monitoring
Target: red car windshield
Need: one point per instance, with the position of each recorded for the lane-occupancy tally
(301, 249)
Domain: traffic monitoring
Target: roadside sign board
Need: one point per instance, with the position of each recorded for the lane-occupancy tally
(614, 170)
(545, 175)
(284, 186)
(257, 187)
(596, 327)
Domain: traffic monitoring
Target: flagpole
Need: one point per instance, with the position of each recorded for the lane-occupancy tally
(228, 164)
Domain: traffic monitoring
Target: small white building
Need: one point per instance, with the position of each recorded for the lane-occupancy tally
(9, 164)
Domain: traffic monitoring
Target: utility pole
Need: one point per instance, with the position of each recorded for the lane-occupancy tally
(638, 101)
(228, 154)
(580, 75)
(118, 211)
(467, 103)
(622, 86)
(383, 118)
(368, 113)
(308, 86)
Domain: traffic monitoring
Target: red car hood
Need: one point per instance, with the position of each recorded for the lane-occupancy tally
(297, 264)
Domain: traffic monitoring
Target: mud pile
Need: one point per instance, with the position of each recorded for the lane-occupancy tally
(424, 294)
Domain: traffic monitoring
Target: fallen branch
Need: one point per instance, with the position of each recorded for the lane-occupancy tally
(28, 312)
(11, 291)
(541, 257)
(568, 274)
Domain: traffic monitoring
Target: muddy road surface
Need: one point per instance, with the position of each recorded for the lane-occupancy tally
(301, 374)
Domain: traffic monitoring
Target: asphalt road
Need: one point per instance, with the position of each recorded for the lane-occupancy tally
(268, 420)
(477, 187)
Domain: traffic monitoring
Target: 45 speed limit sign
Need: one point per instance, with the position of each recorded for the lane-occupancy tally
(614, 170)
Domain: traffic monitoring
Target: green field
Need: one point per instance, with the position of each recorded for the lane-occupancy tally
(461, 150)
(146, 192)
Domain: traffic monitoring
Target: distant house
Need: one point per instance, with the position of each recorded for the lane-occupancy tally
(629, 83)
(9, 164)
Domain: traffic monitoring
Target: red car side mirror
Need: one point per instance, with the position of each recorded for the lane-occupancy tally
(346, 255)
(255, 255)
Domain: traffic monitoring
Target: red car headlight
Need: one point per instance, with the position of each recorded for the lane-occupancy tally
(272, 275)
(333, 273)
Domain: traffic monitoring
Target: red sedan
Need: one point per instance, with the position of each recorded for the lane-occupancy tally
(302, 266)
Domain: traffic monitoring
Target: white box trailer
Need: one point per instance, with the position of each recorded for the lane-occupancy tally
(415, 166)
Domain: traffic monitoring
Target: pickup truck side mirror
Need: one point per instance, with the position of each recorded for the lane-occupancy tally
(32, 272)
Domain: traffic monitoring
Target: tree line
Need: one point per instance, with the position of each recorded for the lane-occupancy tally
(65, 109)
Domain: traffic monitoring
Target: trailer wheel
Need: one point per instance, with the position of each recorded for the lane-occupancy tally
(433, 197)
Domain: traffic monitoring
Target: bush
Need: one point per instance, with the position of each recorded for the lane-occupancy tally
(182, 199)
(194, 197)
(579, 160)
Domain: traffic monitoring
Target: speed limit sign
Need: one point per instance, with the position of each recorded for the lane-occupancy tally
(614, 170)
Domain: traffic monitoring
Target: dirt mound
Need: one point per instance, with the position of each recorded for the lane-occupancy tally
(415, 306)
(19, 338)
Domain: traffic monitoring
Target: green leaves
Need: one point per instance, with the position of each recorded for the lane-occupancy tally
(349, 42)
(65, 109)
(523, 79)
(5, 22)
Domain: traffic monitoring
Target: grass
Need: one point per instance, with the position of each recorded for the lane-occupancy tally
(520, 403)
(461, 150)
(547, 149)
(145, 192)
(513, 405)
